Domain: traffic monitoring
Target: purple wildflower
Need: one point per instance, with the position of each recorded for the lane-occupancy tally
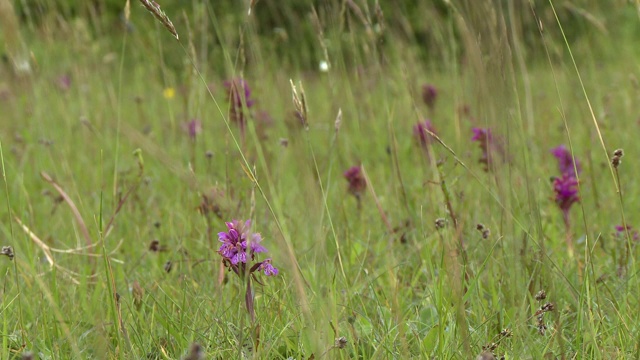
(488, 144)
(621, 232)
(566, 161)
(424, 139)
(234, 247)
(239, 96)
(429, 95)
(566, 189)
(268, 269)
(193, 128)
(356, 180)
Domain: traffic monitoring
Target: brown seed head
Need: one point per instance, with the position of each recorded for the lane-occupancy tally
(154, 8)
(7, 251)
(341, 342)
(541, 295)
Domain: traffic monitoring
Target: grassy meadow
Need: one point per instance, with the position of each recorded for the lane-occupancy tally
(125, 151)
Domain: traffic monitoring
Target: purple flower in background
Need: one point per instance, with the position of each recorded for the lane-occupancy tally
(64, 82)
(356, 180)
(424, 139)
(621, 232)
(236, 249)
(488, 144)
(239, 96)
(429, 95)
(193, 128)
(239, 247)
(566, 189)
(566, 161)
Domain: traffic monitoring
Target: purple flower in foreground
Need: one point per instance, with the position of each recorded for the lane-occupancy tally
(268, 269)
(429, 95)
(488, 144)
(239, 96)
(566, 189)
(566, 161)
(423, 137)
(357, 182)
(239, 245)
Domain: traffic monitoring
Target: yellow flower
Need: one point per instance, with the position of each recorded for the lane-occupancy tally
(169, 93)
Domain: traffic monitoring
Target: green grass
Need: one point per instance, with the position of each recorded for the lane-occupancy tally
(380, 275)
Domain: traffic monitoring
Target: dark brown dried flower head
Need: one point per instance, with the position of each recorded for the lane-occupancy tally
(154, 246)
(167, 266)
(490, 347)
(441, 223)
(615, 161)
(479, 227)
(7, 251)
(548, 307)
(618, 152)
(341, 342)
(541, 295)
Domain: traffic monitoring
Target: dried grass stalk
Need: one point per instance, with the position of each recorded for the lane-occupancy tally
(154, 8)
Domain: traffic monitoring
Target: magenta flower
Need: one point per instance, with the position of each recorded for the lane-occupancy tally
(268, 269)
(429, 95)
(566, 189)
(236, 249)
(357, 182)
(424, 139)
(488, 144)
(566, 161)
(239, 96)
(621, 232)
(193, 128)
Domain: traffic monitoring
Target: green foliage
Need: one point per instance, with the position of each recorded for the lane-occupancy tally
(106, 115)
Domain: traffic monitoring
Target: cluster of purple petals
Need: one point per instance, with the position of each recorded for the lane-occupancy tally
(240, 245)
(355, 177)
(566, 162)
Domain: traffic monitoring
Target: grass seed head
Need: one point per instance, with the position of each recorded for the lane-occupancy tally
(154, 8)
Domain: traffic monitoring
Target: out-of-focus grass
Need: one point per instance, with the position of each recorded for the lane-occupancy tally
(396, 295)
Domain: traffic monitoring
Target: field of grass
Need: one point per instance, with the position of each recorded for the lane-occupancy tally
(124, 154)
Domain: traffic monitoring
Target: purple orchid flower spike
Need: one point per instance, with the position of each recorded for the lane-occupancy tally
(489, 146)
(566, 161)
(423, 137)
(429, 95)
(357, 182)
(566, 189)
(193, 128)
(239, 97)
(236, 249)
